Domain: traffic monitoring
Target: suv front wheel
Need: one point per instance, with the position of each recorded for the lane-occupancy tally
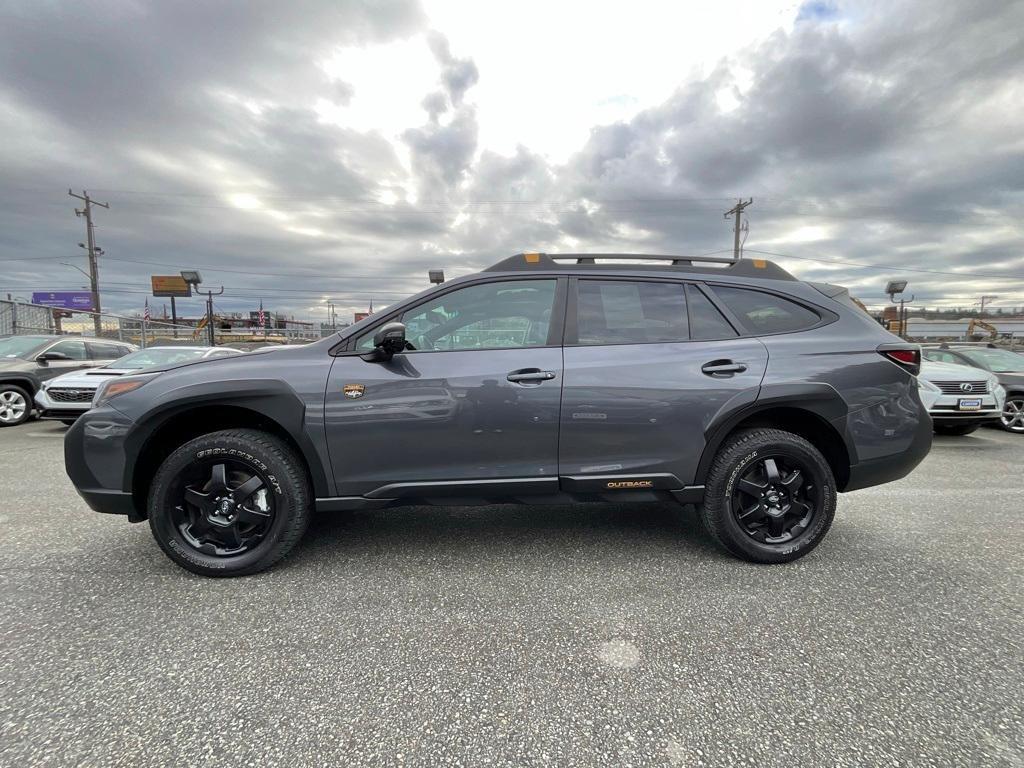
(229, 503)
(769, 497)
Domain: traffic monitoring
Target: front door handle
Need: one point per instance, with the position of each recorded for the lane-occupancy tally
(722, 368)
(530, 374)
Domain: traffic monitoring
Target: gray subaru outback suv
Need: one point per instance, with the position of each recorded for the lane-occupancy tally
(544, 379)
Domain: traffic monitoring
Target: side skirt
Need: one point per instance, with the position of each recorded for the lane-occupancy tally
(562, 490)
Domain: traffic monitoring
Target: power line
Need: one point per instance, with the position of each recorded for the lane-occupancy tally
(883, 267)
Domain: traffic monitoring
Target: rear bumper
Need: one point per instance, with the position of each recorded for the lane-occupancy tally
(885, 469)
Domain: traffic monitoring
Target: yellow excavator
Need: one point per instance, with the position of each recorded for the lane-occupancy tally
(987, 329)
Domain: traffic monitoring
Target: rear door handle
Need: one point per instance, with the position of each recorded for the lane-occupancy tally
(530, 374)
(722, 368)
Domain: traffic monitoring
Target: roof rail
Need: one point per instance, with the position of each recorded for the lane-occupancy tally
(557, 261)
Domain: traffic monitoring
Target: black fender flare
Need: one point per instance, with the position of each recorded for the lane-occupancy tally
(272, 399)
(816, 398)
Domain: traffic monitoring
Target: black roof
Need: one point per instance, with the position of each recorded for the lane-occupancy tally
(540, 262)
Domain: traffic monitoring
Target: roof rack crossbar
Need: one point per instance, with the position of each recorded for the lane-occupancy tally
(541, 261)
(591, 258)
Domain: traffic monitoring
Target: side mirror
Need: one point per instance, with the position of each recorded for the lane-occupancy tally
(387, 342)
(48, 356)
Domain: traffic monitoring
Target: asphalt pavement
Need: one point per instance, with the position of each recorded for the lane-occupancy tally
(608, 635)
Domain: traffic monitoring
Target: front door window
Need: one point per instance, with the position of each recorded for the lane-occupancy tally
(501, 315)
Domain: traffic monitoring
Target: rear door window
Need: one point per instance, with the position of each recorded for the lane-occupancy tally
(106, 351)
(765, 312)
(630, 312)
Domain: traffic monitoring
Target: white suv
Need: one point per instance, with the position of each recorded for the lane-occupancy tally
(959, 398)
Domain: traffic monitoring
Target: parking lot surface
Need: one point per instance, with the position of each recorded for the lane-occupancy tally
(609, 635)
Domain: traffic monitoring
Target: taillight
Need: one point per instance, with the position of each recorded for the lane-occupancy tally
(906, 357)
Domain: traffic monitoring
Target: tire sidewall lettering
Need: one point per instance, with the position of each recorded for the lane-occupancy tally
(236, 453)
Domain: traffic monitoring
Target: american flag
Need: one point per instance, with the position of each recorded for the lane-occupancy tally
(145, 312)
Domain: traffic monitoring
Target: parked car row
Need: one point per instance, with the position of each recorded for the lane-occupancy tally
(965, 386)
(58, 375)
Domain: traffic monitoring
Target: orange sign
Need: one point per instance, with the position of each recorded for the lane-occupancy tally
(170, 285)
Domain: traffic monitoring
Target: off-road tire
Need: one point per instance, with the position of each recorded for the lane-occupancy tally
(738, 452)
(956, 430)
(261, 451)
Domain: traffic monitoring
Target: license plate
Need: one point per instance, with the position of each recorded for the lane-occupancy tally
(969, 405)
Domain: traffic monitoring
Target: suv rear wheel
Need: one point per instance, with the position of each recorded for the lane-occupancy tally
(229, 503)
(15, 405)
(770, 496)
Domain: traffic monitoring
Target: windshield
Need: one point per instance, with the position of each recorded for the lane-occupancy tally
(20, 346)
(998, 360)
(147, 358)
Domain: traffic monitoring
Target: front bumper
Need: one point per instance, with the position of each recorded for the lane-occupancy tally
(947, 409)
(55, 409)
(95, 460)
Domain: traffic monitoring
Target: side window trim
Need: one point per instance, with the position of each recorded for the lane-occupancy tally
(730, 319)
(555, 331)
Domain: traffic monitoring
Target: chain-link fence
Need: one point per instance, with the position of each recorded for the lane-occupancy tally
(21, 318)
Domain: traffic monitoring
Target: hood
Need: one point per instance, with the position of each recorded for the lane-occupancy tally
(931, 371)
(86, 379)
(7, 363)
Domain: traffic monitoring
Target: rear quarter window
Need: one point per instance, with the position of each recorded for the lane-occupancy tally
(765, 312)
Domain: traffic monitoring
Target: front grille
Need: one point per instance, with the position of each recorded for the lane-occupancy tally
(71, 395)
(958, 388)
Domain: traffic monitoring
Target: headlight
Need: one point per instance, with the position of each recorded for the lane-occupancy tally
(1000, 392)
(925, 384)
(114, 387)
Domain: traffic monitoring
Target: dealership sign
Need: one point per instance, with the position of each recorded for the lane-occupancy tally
(65, 300)
(170, 286)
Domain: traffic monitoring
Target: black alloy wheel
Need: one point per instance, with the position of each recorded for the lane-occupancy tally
(225, 507)
(230, 503)
(769, 496)
(774, 500)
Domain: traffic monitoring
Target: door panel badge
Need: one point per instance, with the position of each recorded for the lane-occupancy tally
(353, 391)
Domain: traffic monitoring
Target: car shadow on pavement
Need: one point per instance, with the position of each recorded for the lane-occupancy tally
(416, 530)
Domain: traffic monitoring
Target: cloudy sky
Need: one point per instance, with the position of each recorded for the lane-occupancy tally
(308, 151)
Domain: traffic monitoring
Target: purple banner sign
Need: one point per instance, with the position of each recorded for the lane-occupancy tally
(81, 300)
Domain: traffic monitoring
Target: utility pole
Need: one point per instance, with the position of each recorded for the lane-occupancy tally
(737, 209)
(90, 239)
(984, 300)
(209, 314)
